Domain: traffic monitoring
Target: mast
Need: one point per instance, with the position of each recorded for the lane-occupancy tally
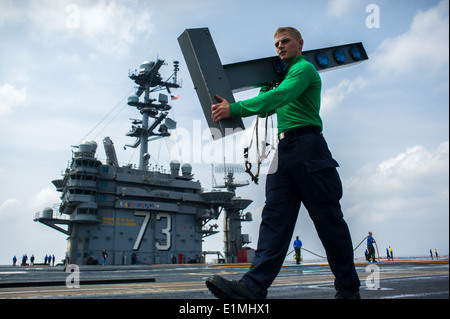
(234, 213)
(149, 80)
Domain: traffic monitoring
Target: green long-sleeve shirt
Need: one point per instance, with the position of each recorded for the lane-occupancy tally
(296, 101)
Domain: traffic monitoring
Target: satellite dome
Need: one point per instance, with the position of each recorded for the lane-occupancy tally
(174, 164)
(186, 170)
(88, 146)
(133, 98)
(47, 212)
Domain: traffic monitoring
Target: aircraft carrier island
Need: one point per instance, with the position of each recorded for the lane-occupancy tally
(143, 214)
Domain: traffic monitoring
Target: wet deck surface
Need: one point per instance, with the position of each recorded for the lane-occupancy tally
(391, 280)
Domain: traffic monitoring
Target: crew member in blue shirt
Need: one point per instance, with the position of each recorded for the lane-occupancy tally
(297, 247)
(370, 242)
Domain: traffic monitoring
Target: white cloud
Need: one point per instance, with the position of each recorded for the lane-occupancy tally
(111, 27)
(338, 8)
(412, 184)
(8, 203)
(46, 197)
(333, 97)
(106, 26)
(418, 160)
(11, 97)
(427, 39)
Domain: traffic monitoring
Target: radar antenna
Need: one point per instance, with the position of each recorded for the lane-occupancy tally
(228, 171)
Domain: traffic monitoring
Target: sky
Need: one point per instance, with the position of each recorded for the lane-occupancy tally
(64, 79)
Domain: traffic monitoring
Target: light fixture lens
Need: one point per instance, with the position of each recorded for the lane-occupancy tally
(322, 59)
(340, 56)
(279, 66)
(354, 51)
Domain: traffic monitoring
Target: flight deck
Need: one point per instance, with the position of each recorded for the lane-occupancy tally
(404, 279)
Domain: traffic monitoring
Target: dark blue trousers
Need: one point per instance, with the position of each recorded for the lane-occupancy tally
(306, 173)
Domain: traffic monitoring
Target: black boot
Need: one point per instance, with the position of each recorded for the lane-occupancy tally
(228, 289)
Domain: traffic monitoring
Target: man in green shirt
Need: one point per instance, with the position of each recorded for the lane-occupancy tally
(306, 173)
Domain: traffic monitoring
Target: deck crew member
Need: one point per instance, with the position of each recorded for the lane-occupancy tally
(306, 173)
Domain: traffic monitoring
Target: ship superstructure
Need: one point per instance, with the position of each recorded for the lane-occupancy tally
(142, 215)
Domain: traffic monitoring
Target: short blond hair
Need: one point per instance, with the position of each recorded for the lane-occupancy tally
(294, 32)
